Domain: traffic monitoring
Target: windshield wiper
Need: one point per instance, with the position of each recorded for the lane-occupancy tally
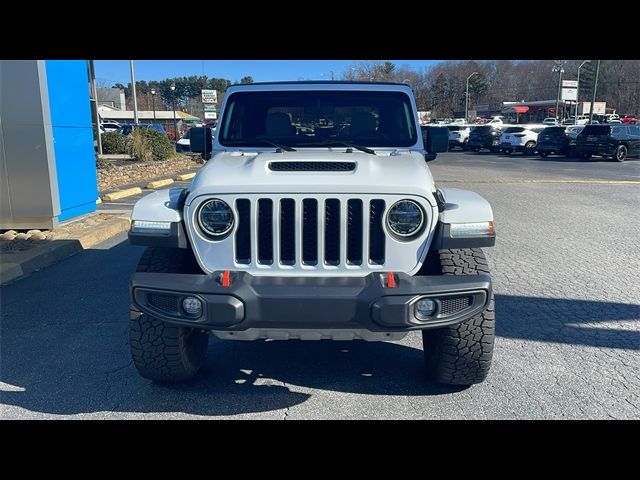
(345, 144)
(286, 148)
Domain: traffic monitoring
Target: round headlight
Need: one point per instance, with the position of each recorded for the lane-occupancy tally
(215, 217)
(405, 218)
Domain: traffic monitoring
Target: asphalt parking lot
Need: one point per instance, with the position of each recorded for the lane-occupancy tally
(565, 269)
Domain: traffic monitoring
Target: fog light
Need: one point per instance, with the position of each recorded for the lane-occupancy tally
(192, 306)
(424, 309)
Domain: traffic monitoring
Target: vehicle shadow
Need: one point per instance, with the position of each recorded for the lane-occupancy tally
(65, 351)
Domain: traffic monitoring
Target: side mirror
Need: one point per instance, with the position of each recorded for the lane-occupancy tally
(436, 140)
(200, 140)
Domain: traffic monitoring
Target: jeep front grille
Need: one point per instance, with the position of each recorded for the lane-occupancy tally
(334, 231)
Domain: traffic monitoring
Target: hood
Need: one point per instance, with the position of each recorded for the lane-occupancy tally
(390, 172)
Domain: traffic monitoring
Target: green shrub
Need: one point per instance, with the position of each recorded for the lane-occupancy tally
(113, 142)
(145, 145)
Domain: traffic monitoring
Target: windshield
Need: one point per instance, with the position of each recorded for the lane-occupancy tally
(309, 118)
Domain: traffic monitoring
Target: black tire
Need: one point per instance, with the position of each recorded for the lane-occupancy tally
(475, 149)
(586, 156)
(160, 351)
(507, 152)
(461, 354)
(621, 153)
(543, 154)
(529, 148)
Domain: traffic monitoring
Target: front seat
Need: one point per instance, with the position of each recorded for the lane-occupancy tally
(362, 123)
(278, 125)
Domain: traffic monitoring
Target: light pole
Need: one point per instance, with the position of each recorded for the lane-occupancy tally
(558, 69)
(173, 104)
(133, 92)
(595, 89)
(466, 98)
(578, 90)
(153, 100)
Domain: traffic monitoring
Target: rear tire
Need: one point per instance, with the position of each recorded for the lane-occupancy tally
(160, 351)
(543, 154)
(621, 153)
(461, 354)
(529, 148)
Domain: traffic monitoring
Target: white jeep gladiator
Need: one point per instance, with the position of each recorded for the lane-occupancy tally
(316, 218)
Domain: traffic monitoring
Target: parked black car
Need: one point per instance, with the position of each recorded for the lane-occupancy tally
(127, 128)
(558, 140)
(484, 136)
(616, 141)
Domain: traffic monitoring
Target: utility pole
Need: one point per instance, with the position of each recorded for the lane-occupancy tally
(94, 105)
(558, 68)
(466, 99)
(153, 97)
(595, 89)
(133, 92)
(173, 104)
(578, 90)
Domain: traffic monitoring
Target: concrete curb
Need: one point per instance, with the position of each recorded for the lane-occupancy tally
(117, 195)
(159, 183)
(185, 176)
(54, 251)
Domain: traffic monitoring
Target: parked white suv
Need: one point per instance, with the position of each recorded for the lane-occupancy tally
(522, 138)
(335, 231)
(458, 135)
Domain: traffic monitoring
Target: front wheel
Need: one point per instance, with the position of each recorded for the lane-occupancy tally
(461, 354)
(160, 351)
(621, 153)
(543, 154)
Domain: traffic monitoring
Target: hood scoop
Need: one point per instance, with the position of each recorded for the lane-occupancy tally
(312, 166)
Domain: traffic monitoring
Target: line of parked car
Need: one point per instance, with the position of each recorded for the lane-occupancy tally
(615, 140)
(126, 128)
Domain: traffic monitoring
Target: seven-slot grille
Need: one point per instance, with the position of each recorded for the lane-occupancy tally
(335, 232)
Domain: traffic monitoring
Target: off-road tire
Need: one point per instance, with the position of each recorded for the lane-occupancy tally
(160, 351)
(461, 354)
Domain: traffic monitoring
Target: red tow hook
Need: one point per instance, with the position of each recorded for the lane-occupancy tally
(225, 278)
(391, 280)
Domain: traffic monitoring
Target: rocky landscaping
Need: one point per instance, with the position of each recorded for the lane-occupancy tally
(113, 174)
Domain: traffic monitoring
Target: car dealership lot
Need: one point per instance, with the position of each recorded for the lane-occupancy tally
(565, 269)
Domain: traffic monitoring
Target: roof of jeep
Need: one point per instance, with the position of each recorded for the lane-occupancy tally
(321, 82)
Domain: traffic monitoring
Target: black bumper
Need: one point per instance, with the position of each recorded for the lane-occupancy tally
(309, 302)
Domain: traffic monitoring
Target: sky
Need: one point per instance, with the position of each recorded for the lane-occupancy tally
(109, 72)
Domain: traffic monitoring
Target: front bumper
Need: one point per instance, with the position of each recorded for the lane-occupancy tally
(366, 303)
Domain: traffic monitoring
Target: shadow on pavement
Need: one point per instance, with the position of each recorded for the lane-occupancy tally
(64, 344)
